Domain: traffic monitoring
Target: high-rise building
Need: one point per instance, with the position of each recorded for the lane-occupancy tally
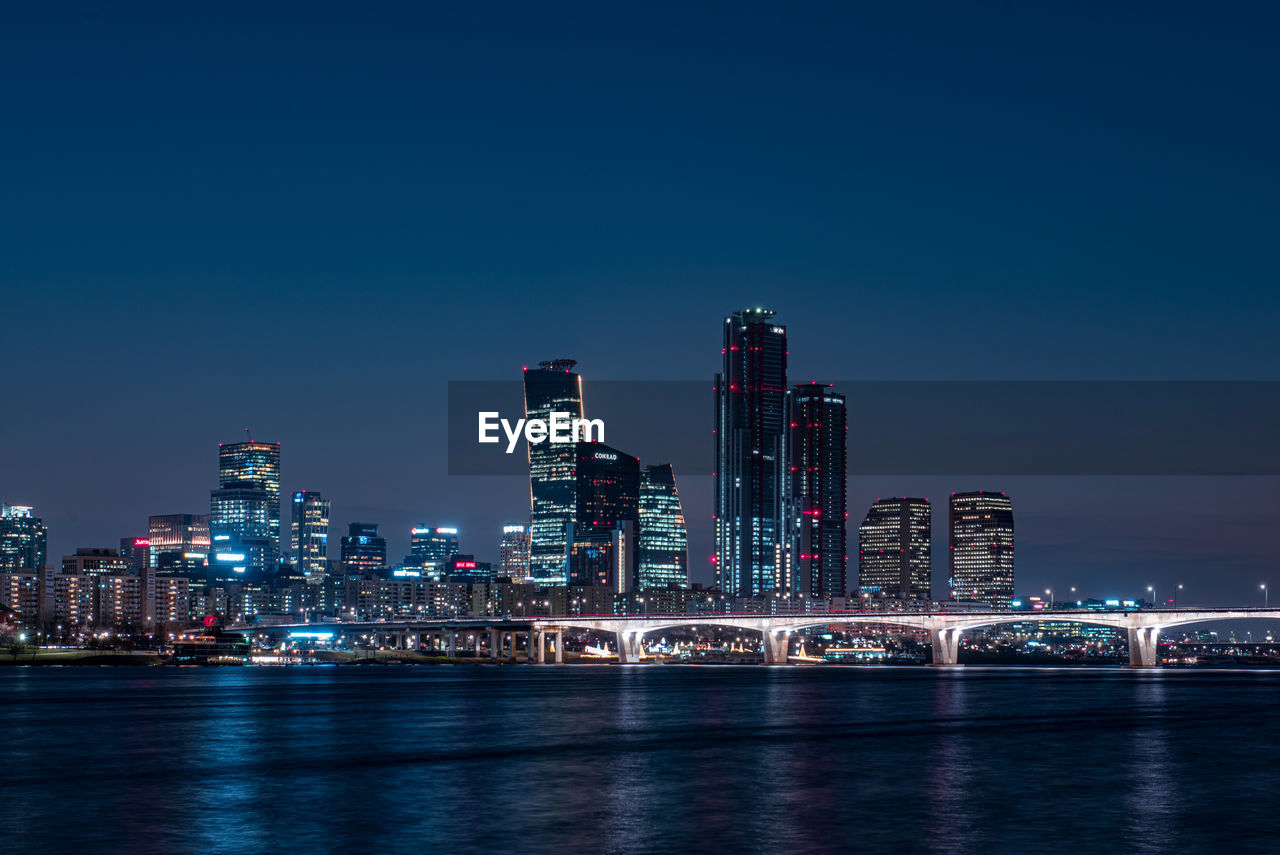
(663, 555)
(601, 540)
(513, 552)
(894, 550)
(240, 530)
(749, 434)
(178, 542)
(431, 546)
(309, 535)
(255, 463)
(136, 552)
(363, 550)
(815, 544)
(553, 387)
(981, 548)
(94, 561)
(23, 539)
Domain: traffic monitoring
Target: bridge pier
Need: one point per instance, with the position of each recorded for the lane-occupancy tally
(628, 647)
(559, 646)
(946, 646)
(1144, 643)
(777, 643)
(493, 645)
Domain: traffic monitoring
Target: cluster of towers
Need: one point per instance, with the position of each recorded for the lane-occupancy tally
(780, 493)
(596, 516)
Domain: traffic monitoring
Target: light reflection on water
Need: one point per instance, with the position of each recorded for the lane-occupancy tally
(637, 759)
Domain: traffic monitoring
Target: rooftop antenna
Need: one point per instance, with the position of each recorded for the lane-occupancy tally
(246, 433)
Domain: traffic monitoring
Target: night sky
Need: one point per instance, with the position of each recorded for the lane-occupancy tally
(308, 219)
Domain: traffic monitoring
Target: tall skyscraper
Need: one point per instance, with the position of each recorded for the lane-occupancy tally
(178, 541)
(663, 556)
(981, 548)
(749, 433)
(894, 550)
(256, 463)
(816, 476)
(552, 387)
(363, 550)
(309, 535)
(513, 552)
(24, 541)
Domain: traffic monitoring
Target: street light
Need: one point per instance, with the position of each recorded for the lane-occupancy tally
(1049, 593)
(1265, 595)
(1175, 595)
(1151, 589)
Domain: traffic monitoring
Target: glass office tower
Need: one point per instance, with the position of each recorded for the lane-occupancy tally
(309, 535)
(750, 394)
(552, 387)
(664, 541)
(363, 550)
(244, 542)
(24, 540)
(255, 463)
(816, 475)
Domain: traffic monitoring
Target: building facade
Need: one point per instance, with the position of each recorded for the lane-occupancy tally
(663, 549)
(895, 551)
(178, 542)
(256, 463)
(309, 534)
(363, 550)
(240, 528)
(816, 555)
(24, 540)
(553, 387)
(981, 548)
(430, 547)
(513, 552)
(750, 402)
(95, 561)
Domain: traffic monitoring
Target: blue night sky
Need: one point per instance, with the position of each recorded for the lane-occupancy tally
(308, 218)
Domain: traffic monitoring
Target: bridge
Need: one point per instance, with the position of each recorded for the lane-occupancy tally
(945, 628)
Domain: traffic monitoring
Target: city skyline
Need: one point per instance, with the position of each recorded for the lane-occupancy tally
(946, 220)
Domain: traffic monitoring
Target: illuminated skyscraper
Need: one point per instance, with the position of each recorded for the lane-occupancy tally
(428, 545)
(749, 435)
(981, 548)
(363, 550)
(255, 463)
(513, 552)
(240, 530)
(894, 550)
(309, 535)
(178, 541)
(816, 553)
(663, 557)
(23, 539)
(602, 548)
(552, 387)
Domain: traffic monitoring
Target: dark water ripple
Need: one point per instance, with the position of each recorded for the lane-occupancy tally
(637, 760)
